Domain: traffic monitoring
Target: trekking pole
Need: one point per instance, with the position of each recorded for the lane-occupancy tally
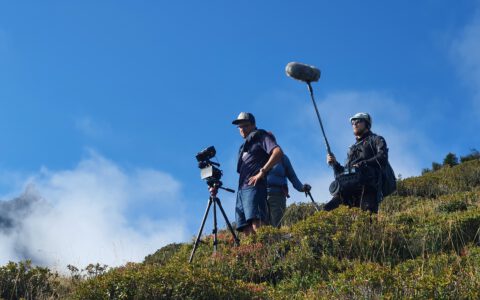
(313, 201)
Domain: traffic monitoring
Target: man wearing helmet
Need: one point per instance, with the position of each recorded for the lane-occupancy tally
(358, 183)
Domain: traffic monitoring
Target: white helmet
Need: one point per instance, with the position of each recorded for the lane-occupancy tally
(362, 116)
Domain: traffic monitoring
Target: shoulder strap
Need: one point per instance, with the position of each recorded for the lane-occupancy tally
(388, 179)
(254, 135)
(374, 149)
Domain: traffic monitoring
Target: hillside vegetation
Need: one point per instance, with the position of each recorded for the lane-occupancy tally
(424, 244)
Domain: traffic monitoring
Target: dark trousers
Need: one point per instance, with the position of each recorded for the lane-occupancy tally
(366, 198)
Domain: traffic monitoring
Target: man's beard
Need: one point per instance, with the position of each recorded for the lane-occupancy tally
(359, 132)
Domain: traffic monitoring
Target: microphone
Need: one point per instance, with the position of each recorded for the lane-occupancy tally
(302, 72)
(308, 74)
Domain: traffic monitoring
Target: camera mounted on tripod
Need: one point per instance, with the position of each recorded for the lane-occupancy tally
(212, 174)
(209, 170)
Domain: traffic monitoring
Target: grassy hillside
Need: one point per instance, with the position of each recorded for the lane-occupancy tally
(424, 243)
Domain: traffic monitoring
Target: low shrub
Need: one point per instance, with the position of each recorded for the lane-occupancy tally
(462, 177)
(297, 212)
(137, 281)
(163, 255)
(22, 280)
(444, 276)
(452, 206)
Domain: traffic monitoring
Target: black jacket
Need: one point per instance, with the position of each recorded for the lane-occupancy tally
(369, 151)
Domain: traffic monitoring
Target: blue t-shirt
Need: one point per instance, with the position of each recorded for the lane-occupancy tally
(253, 155)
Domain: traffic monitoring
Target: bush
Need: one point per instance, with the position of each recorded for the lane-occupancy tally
(453, 206)
(163, 255)
(474, 154)
(298, 212)
(463, 177)
(137, 281)
(24, 281)
(445, 276)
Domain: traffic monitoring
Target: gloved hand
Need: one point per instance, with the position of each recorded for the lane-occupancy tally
(306, 187)
(331, 159)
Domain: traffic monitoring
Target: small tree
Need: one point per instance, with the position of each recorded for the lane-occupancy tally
(425, 171)
(450, 160)
(436, 166)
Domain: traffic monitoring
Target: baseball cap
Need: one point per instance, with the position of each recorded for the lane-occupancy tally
(244, 117)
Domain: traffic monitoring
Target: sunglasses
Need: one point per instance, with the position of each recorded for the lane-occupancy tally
(243, 126)
(357, 121)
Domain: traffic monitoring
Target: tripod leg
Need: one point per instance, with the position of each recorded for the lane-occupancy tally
(214, 231)
(235, 238)
(210, 200)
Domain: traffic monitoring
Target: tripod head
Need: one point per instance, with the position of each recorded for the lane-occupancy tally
(214, 186)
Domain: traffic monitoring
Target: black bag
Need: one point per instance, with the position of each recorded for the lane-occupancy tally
(389, 181)
(346, 183)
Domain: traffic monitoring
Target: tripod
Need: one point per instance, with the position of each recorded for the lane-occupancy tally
(214, 199)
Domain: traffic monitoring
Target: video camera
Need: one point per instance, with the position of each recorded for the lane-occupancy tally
(208, 168)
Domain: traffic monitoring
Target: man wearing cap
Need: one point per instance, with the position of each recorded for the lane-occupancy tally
(367, 158)
(256, 156)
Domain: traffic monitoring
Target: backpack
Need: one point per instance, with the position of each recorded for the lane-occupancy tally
(389, 181)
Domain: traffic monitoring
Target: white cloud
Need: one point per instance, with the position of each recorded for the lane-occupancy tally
(96, 212)
(466, 53)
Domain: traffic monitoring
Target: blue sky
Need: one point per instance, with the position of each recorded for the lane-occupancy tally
(103, 105)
